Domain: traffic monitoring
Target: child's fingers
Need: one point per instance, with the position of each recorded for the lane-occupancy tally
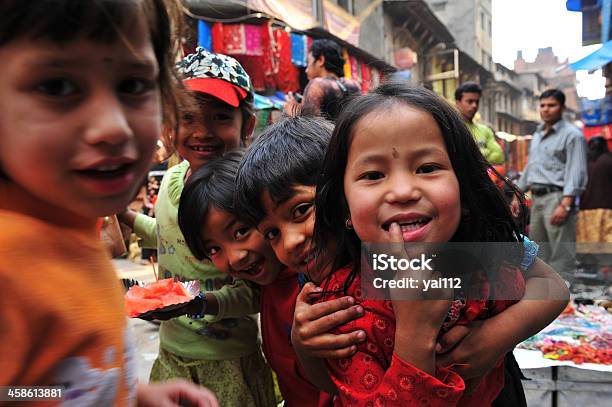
(331, 342)
(336, 353)
(306, 292)
(451, 338)
(328, 313)
(337, 318)
(396, 233)
(327, 340)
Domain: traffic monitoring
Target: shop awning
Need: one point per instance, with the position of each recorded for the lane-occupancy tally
(576, 5)
(595, 60)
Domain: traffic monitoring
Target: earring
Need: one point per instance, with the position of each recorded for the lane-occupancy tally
(348, 224)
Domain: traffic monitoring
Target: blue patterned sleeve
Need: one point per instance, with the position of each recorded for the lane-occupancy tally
(531, 252)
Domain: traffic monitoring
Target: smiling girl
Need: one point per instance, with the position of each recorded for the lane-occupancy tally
(401, 167)
(217, 344)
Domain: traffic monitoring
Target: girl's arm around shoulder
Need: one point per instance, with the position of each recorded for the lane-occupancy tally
(546, 295)
(479, 346)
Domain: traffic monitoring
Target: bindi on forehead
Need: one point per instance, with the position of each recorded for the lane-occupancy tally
(394, 153)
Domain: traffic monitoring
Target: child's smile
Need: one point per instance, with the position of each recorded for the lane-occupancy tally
(237, 249)
(289, 227)
(398, 171)
(79, 120)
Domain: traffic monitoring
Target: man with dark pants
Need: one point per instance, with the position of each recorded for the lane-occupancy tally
(467, 99)
(555, 174)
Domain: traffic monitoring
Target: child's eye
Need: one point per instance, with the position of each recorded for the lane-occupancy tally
(212, 250)
(135, 86)
(241, 233)
(58, 87)
(271, 234)
(372, 175)
(187, 117)
(427, 168)
(302, 209)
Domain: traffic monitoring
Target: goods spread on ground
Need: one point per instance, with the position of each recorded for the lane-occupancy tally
(581, 334)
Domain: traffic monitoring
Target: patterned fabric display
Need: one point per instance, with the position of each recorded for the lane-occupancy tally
(234, 39)
(252, 34)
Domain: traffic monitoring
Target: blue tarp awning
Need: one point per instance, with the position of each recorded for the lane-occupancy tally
(576, 5)
(595, 60)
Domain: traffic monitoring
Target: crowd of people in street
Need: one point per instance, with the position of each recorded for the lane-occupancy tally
(271, 227)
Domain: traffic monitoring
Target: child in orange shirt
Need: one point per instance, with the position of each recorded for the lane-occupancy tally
(81, 93)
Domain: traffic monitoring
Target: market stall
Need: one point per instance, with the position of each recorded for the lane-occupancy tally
(570, 361)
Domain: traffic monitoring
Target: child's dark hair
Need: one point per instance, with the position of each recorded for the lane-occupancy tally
(211, 185)
(102, 21)
(487, 217)
(287, 154)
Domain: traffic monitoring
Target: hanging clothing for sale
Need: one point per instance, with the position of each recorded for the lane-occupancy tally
(253, 37)
(204, 35)
(234, 39)
(355, 73)
(218, 42)
(347, 64)
(299, 50)
(375, 78)
(253, 65)
(366, 77)
(269, 60)
(287, 77)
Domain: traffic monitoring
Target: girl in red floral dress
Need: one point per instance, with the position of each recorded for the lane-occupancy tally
(401, 167)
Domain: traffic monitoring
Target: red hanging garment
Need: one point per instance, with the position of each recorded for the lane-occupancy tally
(287, 78)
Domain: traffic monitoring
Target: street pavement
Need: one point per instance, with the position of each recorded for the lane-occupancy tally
(146, 333)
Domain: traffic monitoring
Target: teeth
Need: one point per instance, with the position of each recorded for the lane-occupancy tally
(411, 226)
(199, 148)
(250, 269)
(412, 222)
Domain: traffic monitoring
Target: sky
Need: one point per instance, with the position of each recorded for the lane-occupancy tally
(531, 24)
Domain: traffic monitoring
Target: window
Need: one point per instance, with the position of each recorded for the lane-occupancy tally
(439, 7)
(490, 29)
(482, 21)
(348, 5)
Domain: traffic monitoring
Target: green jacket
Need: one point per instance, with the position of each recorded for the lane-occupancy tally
(486, 142)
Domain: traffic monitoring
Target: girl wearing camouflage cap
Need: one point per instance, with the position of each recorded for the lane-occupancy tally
(216, 344)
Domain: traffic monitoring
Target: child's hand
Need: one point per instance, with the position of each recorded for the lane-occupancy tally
(312, 323)
(175, 393)
(292, 106)
(434, 301)
(472, 349)
(419, 314)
